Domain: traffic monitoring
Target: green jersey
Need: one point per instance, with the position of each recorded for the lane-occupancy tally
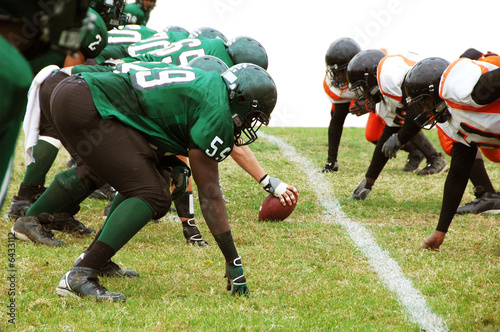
(157, 42)
(120, 39)
(183, 51)
(119, 68)
(174, 108)
(129, 34)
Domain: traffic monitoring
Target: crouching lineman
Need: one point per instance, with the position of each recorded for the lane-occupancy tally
(376, 80)
(164, 112)
(462, 99)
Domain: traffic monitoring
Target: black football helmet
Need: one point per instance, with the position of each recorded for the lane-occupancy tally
(252, 97)
(111, 11)
(337, 57)
(208, 63)
(421, 85)
(247, 50)
(362, 77)
(206, 32)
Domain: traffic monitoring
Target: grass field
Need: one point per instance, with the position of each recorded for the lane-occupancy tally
(319, 270)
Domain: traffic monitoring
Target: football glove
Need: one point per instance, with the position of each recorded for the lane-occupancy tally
(273, 185)
(179, 173)
(391, 146)
(236, 281)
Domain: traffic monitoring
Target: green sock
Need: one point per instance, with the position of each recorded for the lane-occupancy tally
(44, 154)
(119, 198)
(125, 221)
(116, 201)
(63, 191)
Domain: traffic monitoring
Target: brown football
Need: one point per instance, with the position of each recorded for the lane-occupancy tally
(272, 210)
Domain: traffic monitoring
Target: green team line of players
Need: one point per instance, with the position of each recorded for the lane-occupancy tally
(241, 48)
(268, 183)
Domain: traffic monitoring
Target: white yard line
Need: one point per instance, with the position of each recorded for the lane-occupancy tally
(387, 268)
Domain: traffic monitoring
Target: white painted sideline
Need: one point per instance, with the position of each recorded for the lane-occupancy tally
(387, 268)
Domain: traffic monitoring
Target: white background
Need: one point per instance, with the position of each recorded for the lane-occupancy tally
(296, 35)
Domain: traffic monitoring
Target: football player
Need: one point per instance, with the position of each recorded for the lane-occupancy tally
(241, 49)
(376, 80)
(121, 47)
(138, 12)
(335, 84)
(18, 49)
(487, 199)
(463, 100)
(243, 156)
(42, 141)
(142, 133)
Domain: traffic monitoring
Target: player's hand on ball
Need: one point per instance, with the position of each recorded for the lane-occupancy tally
(287, 194)
(236, 281)
(290, 196)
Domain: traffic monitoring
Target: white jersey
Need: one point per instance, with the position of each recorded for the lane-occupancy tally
(469, 122)
(336, 95)
(391, 72)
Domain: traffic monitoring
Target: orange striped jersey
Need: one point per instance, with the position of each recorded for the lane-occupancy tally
(469, 122)
(391, 72)
(335, 94)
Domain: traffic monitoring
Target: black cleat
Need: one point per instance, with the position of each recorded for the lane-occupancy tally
(105, 192)
(30, 229)
(65, 222)
(82, 282)
(192, 234)
(19, 207)
(415, 157)
(26, 196)
(484, 202)
(330, 167)
(435, 165)
(111, 269)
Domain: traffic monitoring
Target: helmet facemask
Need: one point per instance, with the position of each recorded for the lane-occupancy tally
(366, 97)
(249, 124)
(431, 111)
(252, 98)
(338, 76)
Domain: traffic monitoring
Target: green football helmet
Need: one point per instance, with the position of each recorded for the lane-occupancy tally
(247, 50)
(95, 39)
(208, 63)
(252, 97)
(110, 10)
(208, 33)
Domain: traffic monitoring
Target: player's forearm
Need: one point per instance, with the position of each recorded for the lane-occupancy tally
(456, 181)
(245, 158)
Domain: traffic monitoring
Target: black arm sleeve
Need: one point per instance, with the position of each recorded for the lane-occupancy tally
(409, 128)
(487, 88)
(462, 159)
